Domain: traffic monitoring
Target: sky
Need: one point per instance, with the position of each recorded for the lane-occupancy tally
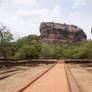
(23, 17)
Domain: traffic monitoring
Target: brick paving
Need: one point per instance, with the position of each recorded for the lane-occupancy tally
(54, 80)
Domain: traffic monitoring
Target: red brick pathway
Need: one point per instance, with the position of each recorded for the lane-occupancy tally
(53, 81)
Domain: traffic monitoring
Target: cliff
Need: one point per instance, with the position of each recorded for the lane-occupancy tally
(61, 32)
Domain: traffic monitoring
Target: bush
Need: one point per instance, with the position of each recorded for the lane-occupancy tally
(68, 53)
(51, 51)
(85, 51)
(27, 51)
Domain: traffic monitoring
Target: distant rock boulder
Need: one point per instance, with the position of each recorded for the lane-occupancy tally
(50, 31)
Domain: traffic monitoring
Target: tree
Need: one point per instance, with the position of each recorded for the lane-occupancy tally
(5, 38)
(5, 35)
(27, 40)
(27, 52)
(51, 51)
(85, 50)
(36, 44)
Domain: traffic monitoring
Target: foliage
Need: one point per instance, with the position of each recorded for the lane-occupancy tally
(28, 47)
(85, 51)
(27, 51)
(5, 38)
(27, 40)
(74, 50)
(51, 51)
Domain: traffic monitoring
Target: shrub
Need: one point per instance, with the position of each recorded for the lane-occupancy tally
(27, 51)
(85, 51)
(51, 51)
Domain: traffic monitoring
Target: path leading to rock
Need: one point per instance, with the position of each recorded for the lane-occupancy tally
(54, 80)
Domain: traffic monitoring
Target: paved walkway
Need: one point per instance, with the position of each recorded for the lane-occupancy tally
(53, 81)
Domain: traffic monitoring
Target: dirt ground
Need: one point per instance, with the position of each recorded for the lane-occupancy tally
(82, 74)
(16, 80)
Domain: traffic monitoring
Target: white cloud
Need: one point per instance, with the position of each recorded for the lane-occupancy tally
(79, 3)
(41, 14)
(31, 2)
(27, 21)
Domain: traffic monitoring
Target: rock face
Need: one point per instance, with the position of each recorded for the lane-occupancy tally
(61, 32)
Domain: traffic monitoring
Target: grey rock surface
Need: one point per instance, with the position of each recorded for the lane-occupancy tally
(57, 31)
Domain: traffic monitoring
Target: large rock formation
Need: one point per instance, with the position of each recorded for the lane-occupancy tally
(61, 32)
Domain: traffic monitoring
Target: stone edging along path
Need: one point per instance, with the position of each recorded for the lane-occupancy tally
(29, 82)
(71, 81)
